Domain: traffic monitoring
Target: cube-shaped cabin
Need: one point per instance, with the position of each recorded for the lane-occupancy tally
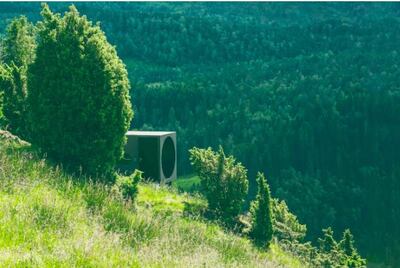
(153, 152)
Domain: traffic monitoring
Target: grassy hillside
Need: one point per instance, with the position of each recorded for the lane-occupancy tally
(50, 219)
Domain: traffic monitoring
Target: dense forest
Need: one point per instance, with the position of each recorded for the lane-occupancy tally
(308, 93)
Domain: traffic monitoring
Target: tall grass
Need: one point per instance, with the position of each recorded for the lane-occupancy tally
(50, 219)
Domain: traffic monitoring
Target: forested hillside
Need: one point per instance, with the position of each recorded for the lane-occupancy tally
(306, 92)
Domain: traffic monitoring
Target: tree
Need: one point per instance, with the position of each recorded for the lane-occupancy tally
(285, 224)
(78, 96)
(19, 51)
(327, 243)
(261, 213)
(347, 243)
(329, 254)
(223, 181)
(352, 258)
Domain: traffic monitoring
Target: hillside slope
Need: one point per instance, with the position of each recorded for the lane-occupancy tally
(49, 219)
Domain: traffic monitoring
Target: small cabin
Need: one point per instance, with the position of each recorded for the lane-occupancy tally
(153, 152)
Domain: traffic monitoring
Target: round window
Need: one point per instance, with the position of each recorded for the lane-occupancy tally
(168, 157)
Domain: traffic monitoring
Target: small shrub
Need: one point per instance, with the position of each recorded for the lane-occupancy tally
(128, 186)
(261, 214)
(223, 181)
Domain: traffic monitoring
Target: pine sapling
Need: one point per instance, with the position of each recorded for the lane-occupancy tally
(261, 214)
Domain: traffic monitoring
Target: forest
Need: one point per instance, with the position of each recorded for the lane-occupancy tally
(307, 93)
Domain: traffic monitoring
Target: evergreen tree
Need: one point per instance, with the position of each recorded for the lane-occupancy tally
(327, 243)
(330, 255)
(261, 213)
(286, 224)
(351, 257)
(347, 243)
(78, 95)
(223, 181)
(19, 51)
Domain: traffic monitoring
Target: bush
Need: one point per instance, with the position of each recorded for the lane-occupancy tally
(19, 51)
(78, 95)
(261, 214)
(223, 181)
(128, 186)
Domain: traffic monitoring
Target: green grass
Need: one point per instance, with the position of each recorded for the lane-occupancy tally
(187, 183)
(50, 219)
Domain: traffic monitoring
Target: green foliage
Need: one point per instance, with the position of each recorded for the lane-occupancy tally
(286, 225)
(327, 243)
(19, 42)
(78, 95)
(334, 254)
(351, 257)
(347, 243)
(128, 186)
(223, 180)
(18, 52)
(329, 253)
(261, 214)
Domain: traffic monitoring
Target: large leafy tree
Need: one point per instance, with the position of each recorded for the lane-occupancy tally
(78, 95)
(18, 52)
